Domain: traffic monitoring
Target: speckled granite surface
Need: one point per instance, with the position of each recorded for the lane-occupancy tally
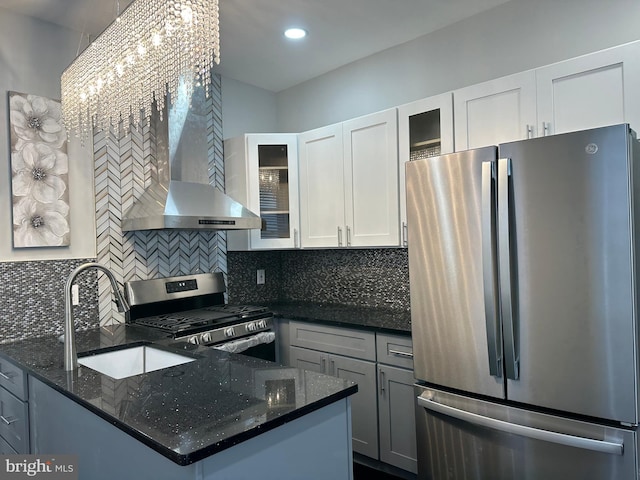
(371, 318)
(187, 412)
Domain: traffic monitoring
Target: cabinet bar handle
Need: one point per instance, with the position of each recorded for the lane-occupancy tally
(339, 236)
(381, 380)
(7, 376)
(348, 236)
(333, 367)
(546, 127)
(8, 421)
(323, 364)
(405, 234)
(529, 131)
(295, 237)
(402, 354)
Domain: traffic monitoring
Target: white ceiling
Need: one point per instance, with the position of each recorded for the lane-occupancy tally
(253, 49)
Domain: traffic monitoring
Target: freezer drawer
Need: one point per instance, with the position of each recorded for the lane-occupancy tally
(464, 438)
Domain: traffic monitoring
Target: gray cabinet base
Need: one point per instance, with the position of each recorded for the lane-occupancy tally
(315, 446)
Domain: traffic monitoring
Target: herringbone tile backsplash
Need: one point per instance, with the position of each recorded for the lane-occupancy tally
(125, 166)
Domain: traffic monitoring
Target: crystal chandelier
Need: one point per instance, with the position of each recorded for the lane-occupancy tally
(140, 58)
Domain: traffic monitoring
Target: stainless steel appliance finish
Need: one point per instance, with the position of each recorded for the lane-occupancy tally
(480, 440)
(523, 290)
(181, 196)
(192, 309)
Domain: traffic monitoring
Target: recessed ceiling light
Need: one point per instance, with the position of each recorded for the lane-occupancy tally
(295, 33)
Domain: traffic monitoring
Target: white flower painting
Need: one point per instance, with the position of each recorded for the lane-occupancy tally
(39, 169)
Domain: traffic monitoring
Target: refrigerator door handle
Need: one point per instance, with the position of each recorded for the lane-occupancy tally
(489, 272)
(522, 430)
(508, 302)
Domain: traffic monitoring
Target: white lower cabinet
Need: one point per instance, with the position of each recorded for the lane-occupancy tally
(383, 410)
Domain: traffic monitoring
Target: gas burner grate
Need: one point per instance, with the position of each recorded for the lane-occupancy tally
(199, 318)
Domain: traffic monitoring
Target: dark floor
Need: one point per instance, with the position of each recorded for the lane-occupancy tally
(362, 472)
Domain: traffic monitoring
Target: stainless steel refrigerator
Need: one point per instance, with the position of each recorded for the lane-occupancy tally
(522, 266)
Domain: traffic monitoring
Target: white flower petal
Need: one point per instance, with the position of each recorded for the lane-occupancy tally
(30, 156)
(48, 190)
(62, 164)
(56, 223)
(38, 104)
(50, 125)
(21, 184)
(17, 162)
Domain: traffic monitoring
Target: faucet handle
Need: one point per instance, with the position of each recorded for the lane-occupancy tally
(121, 302)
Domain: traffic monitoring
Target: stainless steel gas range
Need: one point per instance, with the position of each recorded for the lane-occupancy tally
(192, 309)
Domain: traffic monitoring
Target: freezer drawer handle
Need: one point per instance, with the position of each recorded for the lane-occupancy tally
(524, 431)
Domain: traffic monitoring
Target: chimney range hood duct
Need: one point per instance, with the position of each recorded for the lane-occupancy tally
(182, 198)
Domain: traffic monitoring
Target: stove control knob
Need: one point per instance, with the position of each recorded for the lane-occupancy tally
(195, 340)
(229, 332)
(262, 324)
(251, 326)
(206, 337)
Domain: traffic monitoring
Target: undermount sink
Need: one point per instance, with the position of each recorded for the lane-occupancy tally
(131, 361)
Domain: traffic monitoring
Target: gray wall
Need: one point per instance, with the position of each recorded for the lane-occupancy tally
(513, 37)
(247, 109)
(33, 55)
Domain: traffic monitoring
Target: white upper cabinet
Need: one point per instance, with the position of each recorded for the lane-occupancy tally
(321, 187)
(585, 92)
(590, 91)
(261, 172)
(349, 183)
(425, 129)
(371, 180)
(501, 110)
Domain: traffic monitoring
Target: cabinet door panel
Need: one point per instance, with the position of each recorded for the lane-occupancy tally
(396, 405)
(363, 404)
(14, 427)
(308, 359)
(591, 91)
(321, 186)
(371, 180)
(501, 110)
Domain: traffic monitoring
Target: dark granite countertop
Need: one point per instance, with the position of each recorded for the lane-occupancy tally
(187, 412)
(371, 318)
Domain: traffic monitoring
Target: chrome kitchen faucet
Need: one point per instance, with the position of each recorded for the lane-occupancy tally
(70, 357)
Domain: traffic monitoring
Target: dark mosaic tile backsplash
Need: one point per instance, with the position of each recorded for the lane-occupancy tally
(367, 277)
(32, 298)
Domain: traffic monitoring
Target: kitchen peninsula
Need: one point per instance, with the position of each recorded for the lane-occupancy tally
(219, 416)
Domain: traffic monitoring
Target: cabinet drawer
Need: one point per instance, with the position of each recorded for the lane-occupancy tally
(343, 341)
(395, 350)
(14, 418)
(13, 379)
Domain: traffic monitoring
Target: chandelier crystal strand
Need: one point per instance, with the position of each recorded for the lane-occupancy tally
(137, 61)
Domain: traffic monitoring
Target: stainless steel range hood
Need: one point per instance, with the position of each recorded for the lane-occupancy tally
(182, 198)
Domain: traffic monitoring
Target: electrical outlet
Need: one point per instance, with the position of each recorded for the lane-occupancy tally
(260, 277)
(75, 295)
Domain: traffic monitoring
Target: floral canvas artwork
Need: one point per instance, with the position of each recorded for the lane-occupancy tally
(39, 169)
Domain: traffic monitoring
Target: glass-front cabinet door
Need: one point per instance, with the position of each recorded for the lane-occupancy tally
(270, 175)
(425, 129)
